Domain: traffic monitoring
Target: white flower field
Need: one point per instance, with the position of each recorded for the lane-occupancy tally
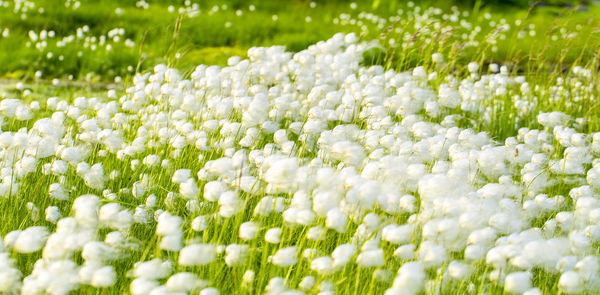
(308, 172)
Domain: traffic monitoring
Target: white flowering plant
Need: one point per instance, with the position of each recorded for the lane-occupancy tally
(310, 172)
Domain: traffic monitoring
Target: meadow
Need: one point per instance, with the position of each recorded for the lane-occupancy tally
(326, 147)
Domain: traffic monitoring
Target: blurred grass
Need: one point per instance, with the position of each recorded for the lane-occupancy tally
(225, 28)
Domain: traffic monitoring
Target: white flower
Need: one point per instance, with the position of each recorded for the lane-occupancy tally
(114, 216)
(248, 278)
(142, 286)
(53, 277)
(248, 230)
(553, 119)
(336, 220)
(171, 242)
(57, 191)
(94, 178)
(273, 235)
(32, 239)
(458, 270)
(185, 282)
(52, 214)
(285, 257)
(104, 277)
(10, 277)
(152, 270)
(397, 234)
(95, 251)
(151, 160)
(181, 176)
(199, 223)
(448, 97)
(168, 224)
(86, 210)
(275, 286)
(371, 258)
(342, 254)
(268, 204)
(236, 254)
(473, 67)
(282, 174)
(230, 204)
(411, 278)
(322, 265)
(115, 239)
(316, 233)
(209, 291)
(307, 283)
(197, 254)
(570, 282)
(517, 282)
(432, 255)
(405, 252)
(213, 190)
(588, 267)
(188, 189)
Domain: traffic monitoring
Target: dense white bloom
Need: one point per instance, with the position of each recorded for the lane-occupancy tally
(236, 254)
(140, 286)
(171, 242)
(10, 277)
(199, 223)
(322, 265)
(431, 254)
(285, 257)
(213, 190)
(405, 252)
(397, 234)
(371, 258)
(57, 191)
(310, 144)
(307, 283)
(209, 291)
(152, 270)
(458, 270)
(517, 282)
(248, 278)
(316, 233)
(282, 174)
(411, 278)
(273, 235)
(473, 67)
(94, 178)
(197, 254)
(181, 176)
(342, 254)
(337, 220)
(248, 230)
(52, 214)
(104, 277)
(188, 189)
(114, 216)
(230, 204)
(53, 277)
(31, 239)
(168, 224)
(570, 282)
(98, 252)
(86, 210)
(185, 282)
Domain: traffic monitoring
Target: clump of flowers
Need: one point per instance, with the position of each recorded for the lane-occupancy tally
(307, 165)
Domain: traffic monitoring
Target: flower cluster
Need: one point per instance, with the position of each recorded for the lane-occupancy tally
(307, 162)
